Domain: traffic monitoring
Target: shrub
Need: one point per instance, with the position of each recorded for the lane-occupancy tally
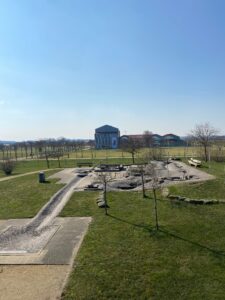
(7, 166)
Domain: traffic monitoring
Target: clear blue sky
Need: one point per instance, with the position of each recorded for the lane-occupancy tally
(69, 66)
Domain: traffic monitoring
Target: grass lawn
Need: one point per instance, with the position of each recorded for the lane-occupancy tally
(123, 257)
(26, 166)
(118, 153)
(23, 197)
(36, 165)
(211, 189)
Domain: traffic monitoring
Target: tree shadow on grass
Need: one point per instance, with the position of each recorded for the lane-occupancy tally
(153, 232)
(214, 251)
(146, 227)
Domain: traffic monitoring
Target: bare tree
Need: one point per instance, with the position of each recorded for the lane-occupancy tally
(155, 185)
(15, 148)
(2, 148)
(204, 134)
(147, 139)
(131, 145)
(141, 169)
(105, 178)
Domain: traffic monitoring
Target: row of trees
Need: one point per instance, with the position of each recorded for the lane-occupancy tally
(39, 149)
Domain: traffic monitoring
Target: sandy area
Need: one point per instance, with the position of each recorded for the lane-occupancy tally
(32, 282)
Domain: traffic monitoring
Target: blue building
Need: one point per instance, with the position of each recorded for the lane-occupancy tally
(107, 137)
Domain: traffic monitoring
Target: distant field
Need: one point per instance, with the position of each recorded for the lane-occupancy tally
(123, 257)
(168, 151)
(117, 153)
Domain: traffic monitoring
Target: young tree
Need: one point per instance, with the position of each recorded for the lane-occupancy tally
(105, 178)
(204, 134)
(141, 169)
(155, 185)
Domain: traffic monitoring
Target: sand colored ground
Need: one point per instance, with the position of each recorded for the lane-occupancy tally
(32, 282)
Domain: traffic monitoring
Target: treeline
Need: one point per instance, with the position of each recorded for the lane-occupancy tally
(50, 148)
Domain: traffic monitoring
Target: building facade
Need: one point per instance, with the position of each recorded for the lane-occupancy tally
(107, 137)
(156, 140)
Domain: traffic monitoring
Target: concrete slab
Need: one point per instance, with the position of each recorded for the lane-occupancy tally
(64, 175)
(60, 249)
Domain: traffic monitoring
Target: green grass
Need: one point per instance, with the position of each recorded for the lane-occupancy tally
(96, 157)
(37, 165)
(23, 197)
(211, 189)
(118, 153)
(123, 257)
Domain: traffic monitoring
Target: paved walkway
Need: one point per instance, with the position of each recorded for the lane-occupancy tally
(25, 174)
(60, 249)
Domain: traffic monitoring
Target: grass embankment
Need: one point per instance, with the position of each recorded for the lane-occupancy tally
(211, 189)
(23, 197)
(123, 257)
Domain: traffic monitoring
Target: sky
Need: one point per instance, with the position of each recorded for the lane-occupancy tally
(70, 66)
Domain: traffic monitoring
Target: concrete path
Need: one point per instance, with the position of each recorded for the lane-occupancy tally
(33, 235)
(36, 255)
(60, 249)
(25, 174)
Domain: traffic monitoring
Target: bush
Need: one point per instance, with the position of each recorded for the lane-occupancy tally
(7, 166)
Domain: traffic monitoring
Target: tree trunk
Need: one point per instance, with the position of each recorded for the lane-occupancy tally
(16, 154)
(26, 152)
(31, 151)
(105, 200)
(205, 151)
(47, 161)
(132, 157)
(59, 162)
(143, 185)
(156, 210)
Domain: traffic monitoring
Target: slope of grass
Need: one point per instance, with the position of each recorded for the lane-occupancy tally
(23, 197)
(123, 257)
(211, 189)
